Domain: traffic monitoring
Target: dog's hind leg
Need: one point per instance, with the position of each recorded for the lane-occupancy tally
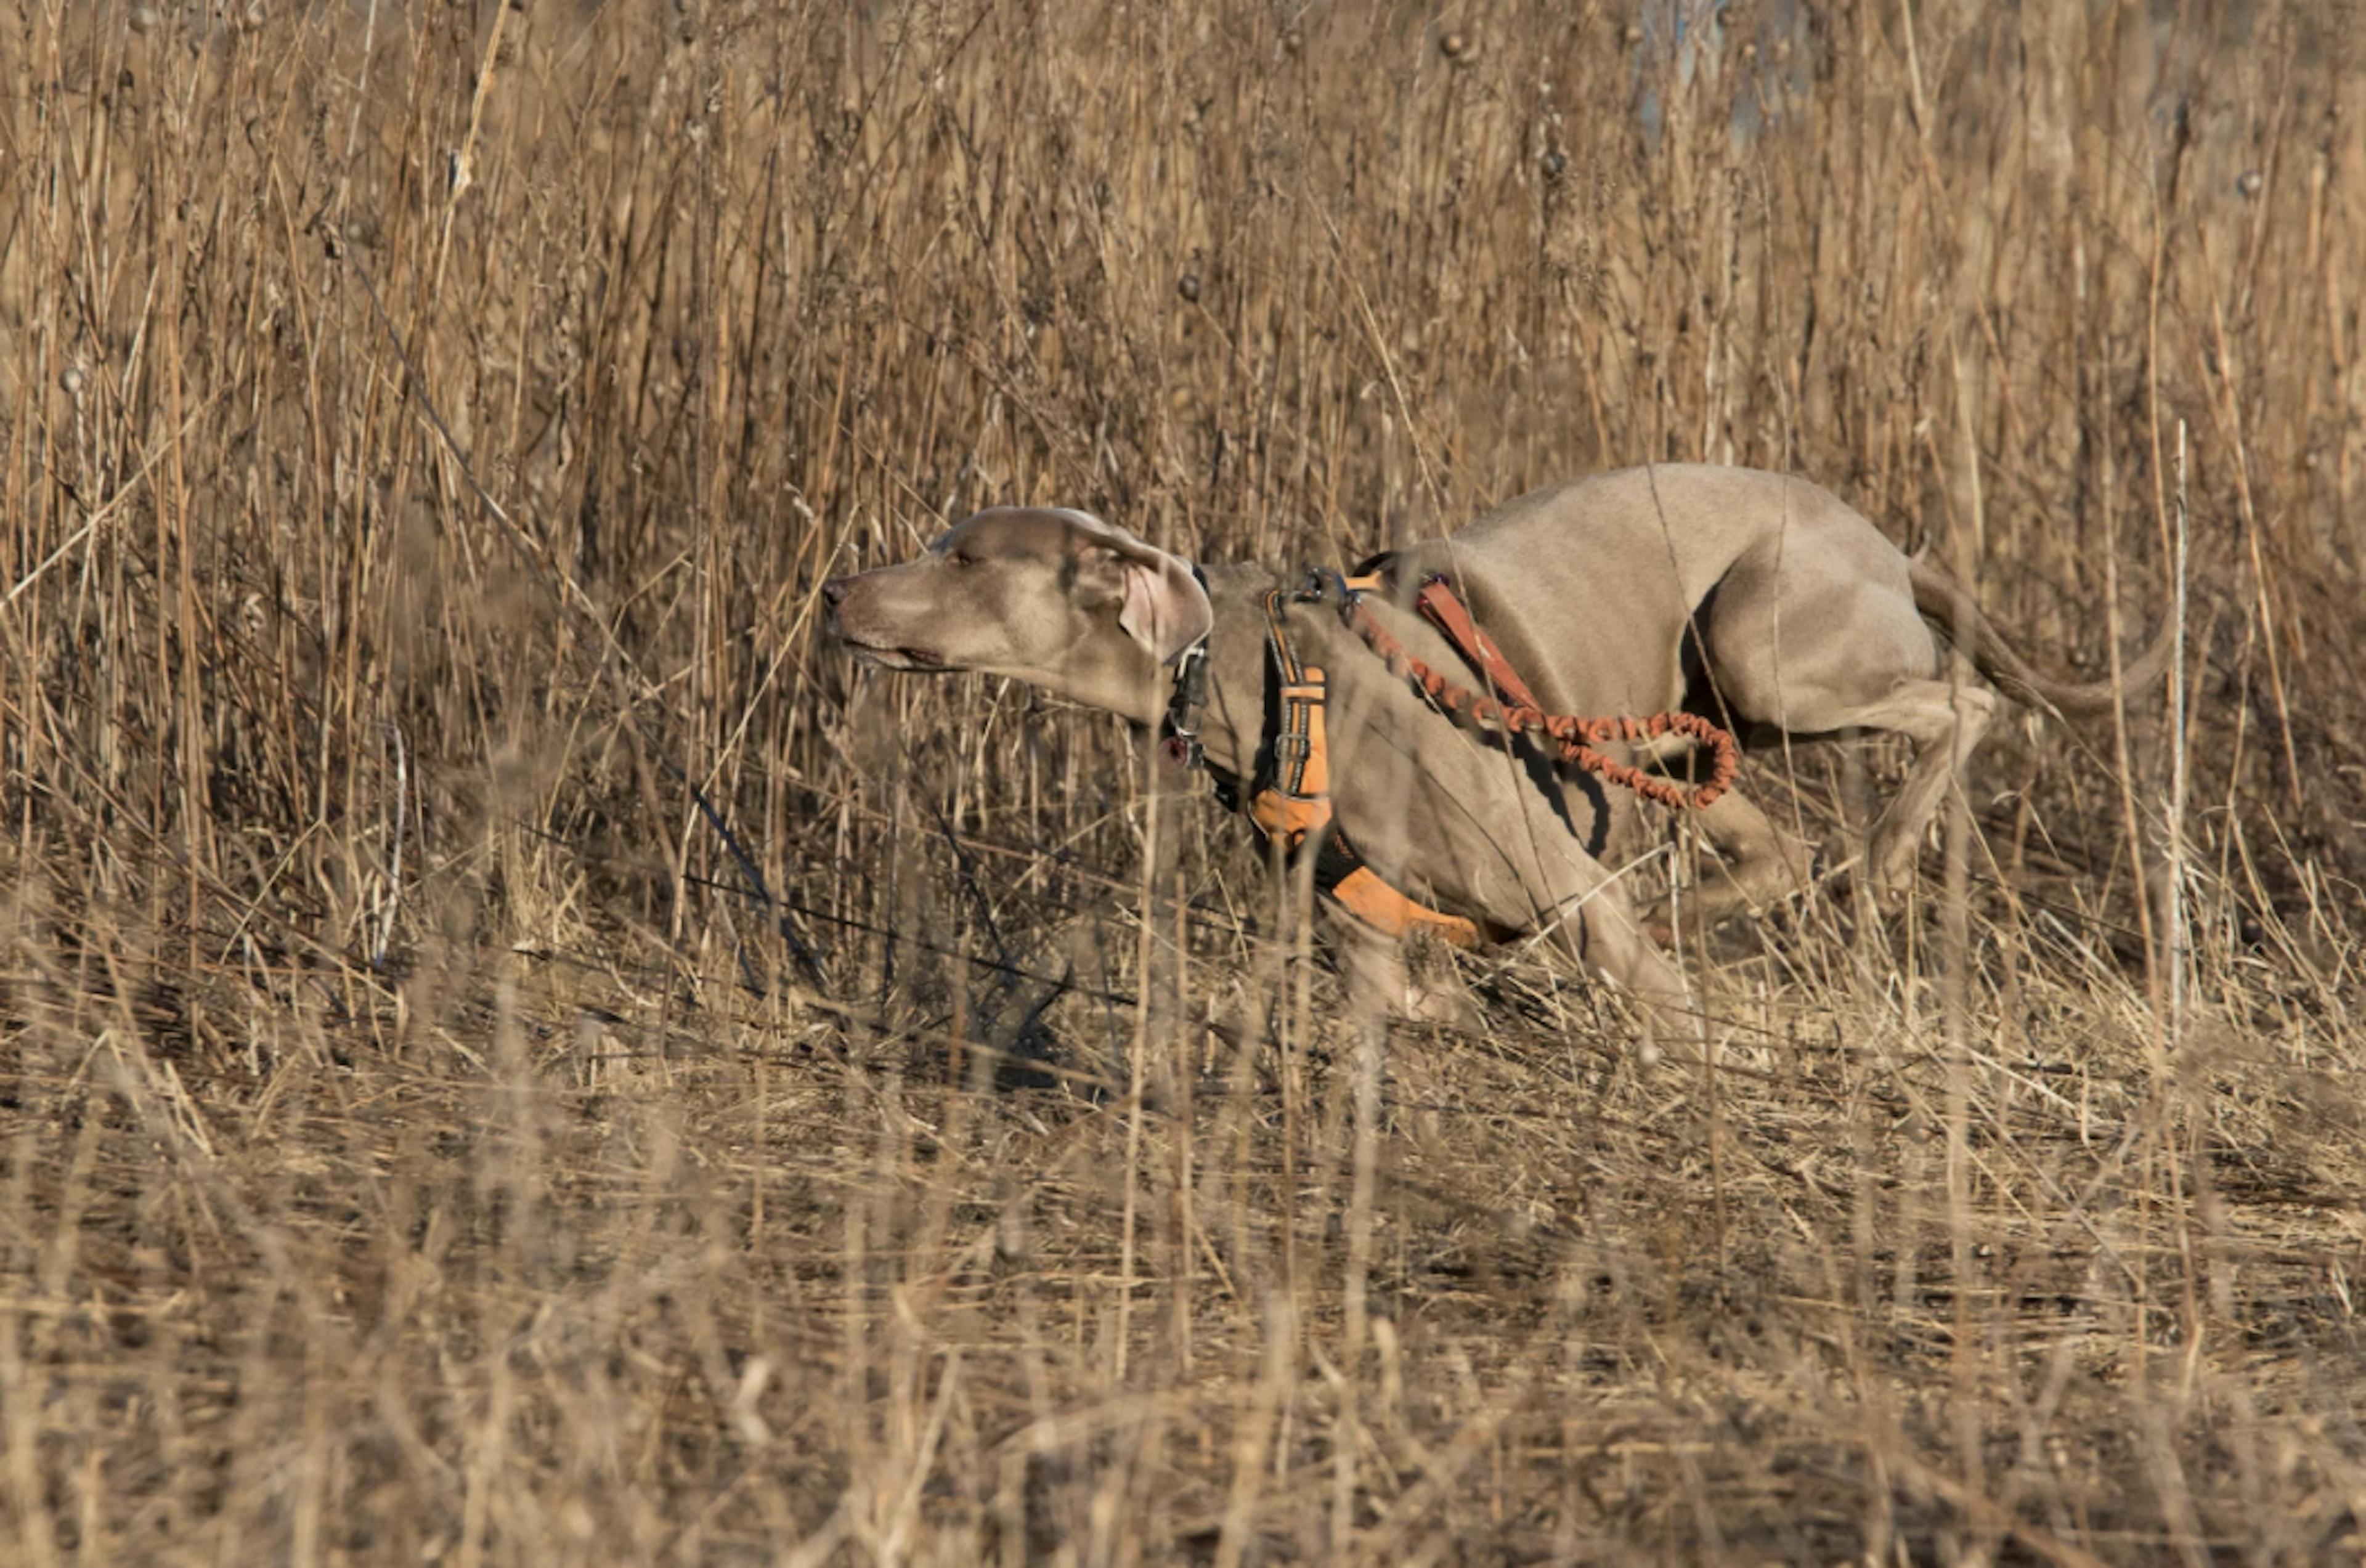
(1760, 864)
(1944, 721)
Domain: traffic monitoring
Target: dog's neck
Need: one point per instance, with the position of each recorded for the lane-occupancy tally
(1110, 671)
(1231, 717)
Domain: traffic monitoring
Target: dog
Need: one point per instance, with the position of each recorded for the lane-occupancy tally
(1758, 600)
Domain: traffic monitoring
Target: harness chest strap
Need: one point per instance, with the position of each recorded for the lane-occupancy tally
(1294, 803)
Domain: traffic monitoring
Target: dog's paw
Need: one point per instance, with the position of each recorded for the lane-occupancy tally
(1888, 873)
(1888, 895)
(1450, 1005)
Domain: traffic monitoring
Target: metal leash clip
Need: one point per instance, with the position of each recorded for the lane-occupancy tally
(1180, 744)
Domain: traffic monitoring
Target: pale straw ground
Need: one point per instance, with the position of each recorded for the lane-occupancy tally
(421, 1144)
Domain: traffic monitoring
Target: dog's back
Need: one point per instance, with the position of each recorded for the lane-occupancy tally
(1590, 586)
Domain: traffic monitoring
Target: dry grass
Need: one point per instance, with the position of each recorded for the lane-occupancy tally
(420, 1144)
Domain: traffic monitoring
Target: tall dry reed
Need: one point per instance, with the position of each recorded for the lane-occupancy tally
(512, 1050)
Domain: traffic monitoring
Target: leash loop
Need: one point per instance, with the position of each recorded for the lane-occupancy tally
(1573, 738)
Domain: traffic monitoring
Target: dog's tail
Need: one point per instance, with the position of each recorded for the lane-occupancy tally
(1942, 602)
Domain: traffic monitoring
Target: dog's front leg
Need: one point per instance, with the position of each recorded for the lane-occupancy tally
(1570, 893)
(1381, 981)
(1616, 947)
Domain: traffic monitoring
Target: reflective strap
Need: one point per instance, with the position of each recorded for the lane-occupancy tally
(1296, 736)
(1296, 806)
(1314, 768)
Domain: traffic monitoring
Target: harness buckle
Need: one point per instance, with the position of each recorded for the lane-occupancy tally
(1325, 586)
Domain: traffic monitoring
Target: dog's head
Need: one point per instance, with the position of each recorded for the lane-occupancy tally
(1044, 594)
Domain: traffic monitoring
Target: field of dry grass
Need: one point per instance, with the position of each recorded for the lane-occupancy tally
(512, 1049)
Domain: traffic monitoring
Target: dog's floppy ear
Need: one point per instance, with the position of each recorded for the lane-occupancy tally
(1160, 603)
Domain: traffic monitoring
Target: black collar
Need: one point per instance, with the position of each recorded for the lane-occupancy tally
(1179, 736)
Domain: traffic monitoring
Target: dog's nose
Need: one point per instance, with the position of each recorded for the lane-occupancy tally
(833, 592)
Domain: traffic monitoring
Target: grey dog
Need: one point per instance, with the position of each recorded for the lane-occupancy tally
(1755, 598)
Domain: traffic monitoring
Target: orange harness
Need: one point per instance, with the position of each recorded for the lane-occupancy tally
(1293, 803)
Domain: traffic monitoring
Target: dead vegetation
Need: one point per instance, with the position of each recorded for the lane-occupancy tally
(432, 1133)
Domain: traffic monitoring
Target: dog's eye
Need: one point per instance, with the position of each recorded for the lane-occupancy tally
(960, 558)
